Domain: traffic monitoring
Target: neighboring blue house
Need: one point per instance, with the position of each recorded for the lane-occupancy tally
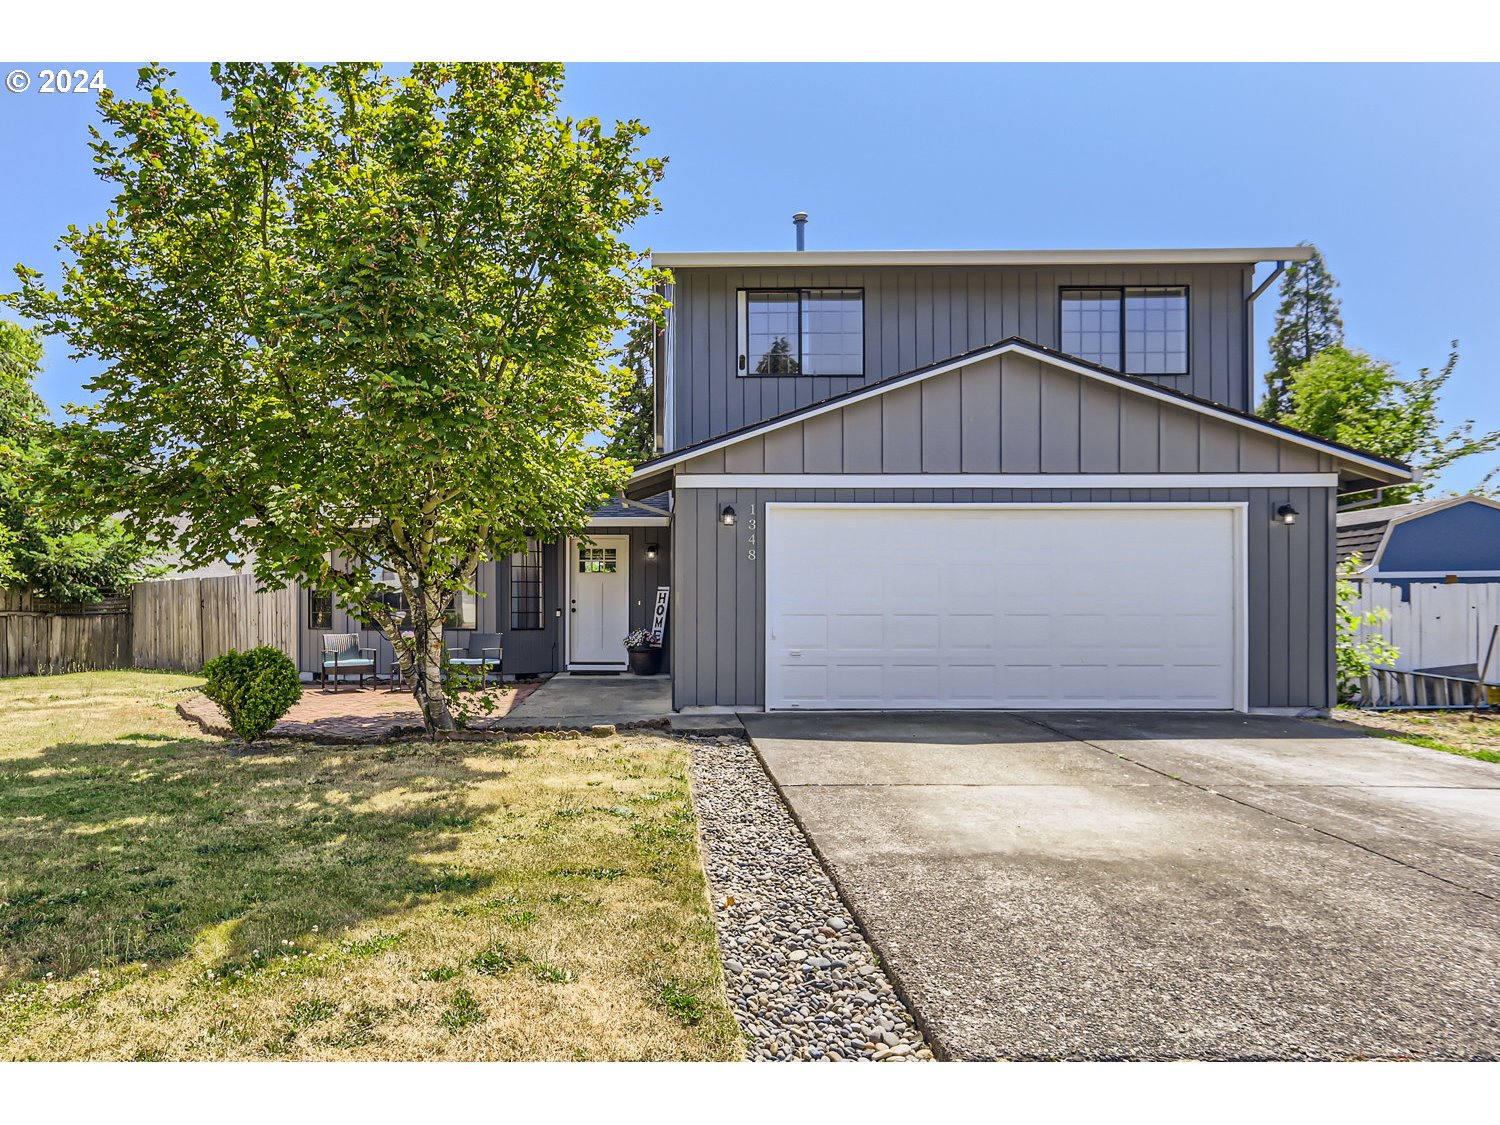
(1433, 566)
(1456, 539)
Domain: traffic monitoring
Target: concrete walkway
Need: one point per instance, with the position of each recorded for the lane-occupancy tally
(1083, 885)
(582, 701)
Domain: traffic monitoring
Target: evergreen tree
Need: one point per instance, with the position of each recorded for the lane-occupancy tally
(779, 360)
(634, 439)
(1307, 322)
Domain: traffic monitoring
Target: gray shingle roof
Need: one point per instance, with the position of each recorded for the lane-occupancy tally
(616, 509)
(1363, 538)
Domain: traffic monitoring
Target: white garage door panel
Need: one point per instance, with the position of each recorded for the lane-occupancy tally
(911, 607)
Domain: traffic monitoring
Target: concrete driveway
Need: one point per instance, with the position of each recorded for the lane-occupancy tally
(1159, 886)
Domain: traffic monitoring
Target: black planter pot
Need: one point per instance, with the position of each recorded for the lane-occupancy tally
(645, 661)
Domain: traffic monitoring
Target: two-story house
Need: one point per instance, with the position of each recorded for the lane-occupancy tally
(967, 479)
(989, 479)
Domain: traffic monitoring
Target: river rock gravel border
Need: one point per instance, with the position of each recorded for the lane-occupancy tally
(802, 980)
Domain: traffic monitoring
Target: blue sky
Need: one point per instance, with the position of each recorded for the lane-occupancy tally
(1390, 169)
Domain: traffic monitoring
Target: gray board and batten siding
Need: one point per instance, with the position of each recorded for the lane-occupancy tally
(1011, 414)
(916, 316)
(1027, 416)
(527, 651)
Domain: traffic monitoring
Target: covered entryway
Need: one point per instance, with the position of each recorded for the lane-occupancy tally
(906, 606)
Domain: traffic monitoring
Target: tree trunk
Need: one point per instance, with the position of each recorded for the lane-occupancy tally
(422, 662)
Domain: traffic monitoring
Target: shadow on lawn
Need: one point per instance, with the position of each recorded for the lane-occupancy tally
(140, 849)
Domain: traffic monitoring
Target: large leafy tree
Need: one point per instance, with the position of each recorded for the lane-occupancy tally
(46, 547)
(1362, 401)
(361, 323)
(22, 416)
(1308, 321)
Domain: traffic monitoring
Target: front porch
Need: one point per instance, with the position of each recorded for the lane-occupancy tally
(571, 699)
(560, 605)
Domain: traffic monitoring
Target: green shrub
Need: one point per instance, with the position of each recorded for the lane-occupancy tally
(1359, 646)
(252, 688)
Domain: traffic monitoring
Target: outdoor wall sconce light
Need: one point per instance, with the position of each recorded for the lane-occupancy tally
(650, 552)
(1287, 514)
(726, 516)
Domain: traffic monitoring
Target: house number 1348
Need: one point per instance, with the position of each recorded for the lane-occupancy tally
(750, 527)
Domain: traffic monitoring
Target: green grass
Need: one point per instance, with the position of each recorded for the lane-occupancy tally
(1435, 744)
(1469, 734)
(162, 897)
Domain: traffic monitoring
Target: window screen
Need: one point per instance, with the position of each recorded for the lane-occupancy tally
(526, 587)
(1091, 325)
(1140, 330)
(771, 332)
(833, 332)
(803, 332)
(1156, 331)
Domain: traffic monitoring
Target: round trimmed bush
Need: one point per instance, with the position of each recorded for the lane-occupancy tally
(253, 688)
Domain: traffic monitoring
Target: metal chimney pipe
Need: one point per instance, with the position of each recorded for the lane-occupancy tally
(799, 220)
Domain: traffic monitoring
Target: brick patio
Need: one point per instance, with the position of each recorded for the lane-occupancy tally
(351, 714)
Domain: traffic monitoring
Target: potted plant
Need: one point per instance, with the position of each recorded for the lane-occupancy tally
(645, 654)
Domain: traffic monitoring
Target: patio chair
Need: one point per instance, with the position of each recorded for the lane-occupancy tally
(343, 656)
(484, 651)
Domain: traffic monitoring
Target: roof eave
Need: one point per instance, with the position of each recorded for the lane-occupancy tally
(1183, 256)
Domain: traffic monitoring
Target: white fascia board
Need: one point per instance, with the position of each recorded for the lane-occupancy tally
(631, 521)
(1126, 383)
(1006, 480)
(784, 259)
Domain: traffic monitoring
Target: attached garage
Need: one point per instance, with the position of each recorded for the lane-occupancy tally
(1007, 529)
(904, 606)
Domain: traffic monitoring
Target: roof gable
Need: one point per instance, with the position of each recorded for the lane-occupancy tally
(1015, 407)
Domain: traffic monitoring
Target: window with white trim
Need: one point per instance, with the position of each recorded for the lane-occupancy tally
(1140, 330)
(802, 332)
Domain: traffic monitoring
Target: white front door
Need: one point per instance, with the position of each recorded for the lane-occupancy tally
(599, 601)
(1128, 606)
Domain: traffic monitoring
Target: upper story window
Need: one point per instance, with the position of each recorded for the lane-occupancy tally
(1140, 330)
(802, 332)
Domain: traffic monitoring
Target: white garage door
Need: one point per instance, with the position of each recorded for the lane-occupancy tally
(945, 607)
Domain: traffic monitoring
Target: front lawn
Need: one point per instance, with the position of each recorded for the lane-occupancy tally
(1474, 734)
(163, 896)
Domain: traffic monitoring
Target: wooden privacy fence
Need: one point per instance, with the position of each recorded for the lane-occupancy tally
(179, 623)
(38, 636)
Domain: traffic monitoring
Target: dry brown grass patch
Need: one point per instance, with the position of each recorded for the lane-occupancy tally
(161, 898)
